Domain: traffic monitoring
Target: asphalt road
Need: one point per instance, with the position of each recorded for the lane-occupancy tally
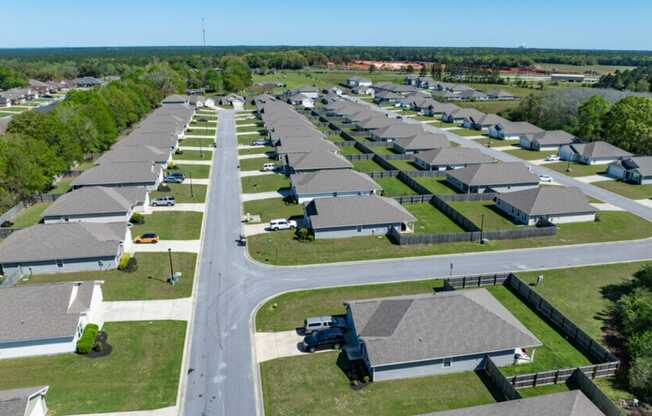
(222, 377)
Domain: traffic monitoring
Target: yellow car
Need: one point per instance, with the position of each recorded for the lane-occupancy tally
(148, 238)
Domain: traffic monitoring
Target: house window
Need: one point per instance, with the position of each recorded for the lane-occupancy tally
(359, 228)
(59, 263)
(448, 362)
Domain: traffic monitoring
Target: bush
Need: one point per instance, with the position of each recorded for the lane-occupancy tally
(124, 262)
(132, 265)
(172, 166)
(640, 376)
(137, 218)
(164, 188)
(304, 234)
(87, 341)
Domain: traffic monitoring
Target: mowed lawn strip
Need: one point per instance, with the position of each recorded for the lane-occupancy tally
(577, 169)
(627, 190)
(529, 154)
(281, 248)
(436, 184)
(256, 150)
(181, 192)
(30, 215)
(475, 210)
(392, 186)
(256, 163)
(172, 225)
(141, 373)
(193, 171)
(272, 208)
(148, 282)
(317, 385)
(366, 166)
(248, 139)
(207, 143)
(194, 155)
(430, 220)
(264, 183)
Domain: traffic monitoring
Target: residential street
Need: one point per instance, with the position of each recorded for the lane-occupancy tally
(222, 376)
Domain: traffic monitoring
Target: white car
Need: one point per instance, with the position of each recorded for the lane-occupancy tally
(282, 224)
(545, 178)
(552, 158)
(269, 167)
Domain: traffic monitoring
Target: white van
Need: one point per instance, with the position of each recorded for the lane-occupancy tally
(269, 167)
(282, 224)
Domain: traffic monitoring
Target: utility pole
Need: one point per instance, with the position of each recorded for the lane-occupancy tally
(481, 228)
(192, 195)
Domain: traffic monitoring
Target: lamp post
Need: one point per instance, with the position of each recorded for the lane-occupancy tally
(170, 259)
(192, 195)
(451, 270)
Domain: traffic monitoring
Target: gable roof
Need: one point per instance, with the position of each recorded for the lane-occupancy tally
(465, 113)
(317, 159)
(596, 150)
(91, 200)
(16, 401)
(43, 311)
(518, 127)
(489, 120)
(454, 156)
(376, 122)
(395, 131)
(552, 137)
(642, 163)
(488, 174)
(119, 174)
(329, 181)
(356, 210)
(549, 200)
(425, 327)
(76, 240)
(568, 403)
(423, 140)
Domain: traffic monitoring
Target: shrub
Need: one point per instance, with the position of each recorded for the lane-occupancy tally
(87, 340)
(124, 262)
(132, 265)
(137, 218)
(304, 234)
(164, 188)
(172, 166)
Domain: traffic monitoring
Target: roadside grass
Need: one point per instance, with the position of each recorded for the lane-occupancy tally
(247, 139)
(256, 150)
(487, 142)
(194, 155)
(319, 381)
(366, 166)
(181, 192)
(172, 225)
(141, 373)
(526, 154)
(493, 218)
(201, 132)
(280, 248)
(244, 122)
(249, 129)
(392, 186)
(626, 189)
(264, 183)
(30, 215)
(436, 184)
(404, 165)
(207, 143)
(256, 163)
(556, 352)
(194, 171)
(350, 150)
(431, 220)
(335, 138)
(577, 169)
(148, 282)
(273, 208)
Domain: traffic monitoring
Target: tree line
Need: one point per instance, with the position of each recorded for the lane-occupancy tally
(637, 79)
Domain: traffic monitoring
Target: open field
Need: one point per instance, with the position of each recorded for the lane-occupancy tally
(141, 373)
(265, 183)
(393, 186)
(273, 208)
(172, 225)
(182, 193)
(626, 189)
(325, 78)
(148, 282)
(431, 220)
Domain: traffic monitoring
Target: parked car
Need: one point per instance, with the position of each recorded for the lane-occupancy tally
(269, 167)
(545, 178)
(176, 178)
(282, 224)
(320, 323)
(328, 338)
(164, 201)
(259, 143)
(552, 158)
(147, 238)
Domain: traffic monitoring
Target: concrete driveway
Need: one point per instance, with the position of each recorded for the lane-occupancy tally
(603, 206)
(148, 310)
(181, 207)
(254, 156)
(197, 181)
(271, 345)
(183, 246)
(245, 173)
(262, 195)
(166, 411)
(593, 178)
(199, 149)
(253, 229)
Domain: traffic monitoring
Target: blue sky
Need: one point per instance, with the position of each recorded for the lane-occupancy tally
(595, 24)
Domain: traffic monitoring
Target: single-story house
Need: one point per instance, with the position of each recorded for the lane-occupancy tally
(547, 140)
(386, 96)
(411, 79)
(359, 82)
(88, 82)
(176, 99)
(48, 318)
(64, 247)
(500, 95)
(493, 177)
(420, 142)
(335, 90)
(308, 91)
(363, 90)
(593, 153)
(28, 401)
(332, 183)
(423, 335)
(356, 216)
(302, 100)
(144, 174)
(450, 158)
(554, 204)
(472, 95)
(513, 130)
(567, 403)
(396, 131)
(438, 109)
(637, 170)
(135, 153)
(97, 204)
(376, 121)
(485, 122)
(462, 115)
(315, 160)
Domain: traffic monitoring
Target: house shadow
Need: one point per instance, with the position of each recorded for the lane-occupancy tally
(491, 387)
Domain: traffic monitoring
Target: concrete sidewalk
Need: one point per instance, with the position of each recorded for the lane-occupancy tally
(193, 162)
(183, 246)
(148, 310)
(166, 411)
(603, 206)
(246, 173)
(271, 345)
(262, 195)
(593, 178)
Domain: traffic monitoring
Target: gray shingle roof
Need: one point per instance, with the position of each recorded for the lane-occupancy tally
(96, 200)
(599, 150)
(329, 181)
(318, 159)
(14, 402)
(489, 174)
(396, 131)
(438, 107)
(353, 211)
(43, 311)
(425, 327)
(549, 200)
(300, 145)
(552, 138)
(119, 174)
(142, 153)
(454, 156)
(47, 242)
(423, 141)
(642, 163)
(489, 120)
(376, 122)
(519, 127)
(462, 113)
(570, 403)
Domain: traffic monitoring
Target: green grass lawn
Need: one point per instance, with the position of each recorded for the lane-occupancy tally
(544, 390)
(244, 122)
(249, 129)
(490, 107)
(383, 150)
(30, 215)
(172, 225)
(627, 190)
(265, 183)
(493, 218)
(63, 185)
(350, 150)
(148, 282)
(404, 165)
(256, 150)
(141, 373)
(335, 138)
(182, 193)
(290, 385)
(194, 171)
(467, 132)
(431, 220)
(247, 139)
(530, 154)
(436, 184)
(577, 169)
(194, 155)
(210, 124)
(280, 248)
(270, 209)
(393, 186)
(207, 143)
(556, 351)
(366, 166)
(201, 132)
(256, 163)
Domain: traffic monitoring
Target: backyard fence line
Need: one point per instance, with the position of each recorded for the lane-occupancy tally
(593, 392)
(459, 219)
(498, 380)
(488, 196)
(427, 173)
(12, 212)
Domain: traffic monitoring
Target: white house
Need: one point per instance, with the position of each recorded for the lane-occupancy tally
(513, 130)
(28, 401)
(48, 318)
(636, 170)
(593, 153)
(493, 177)
(359, 82)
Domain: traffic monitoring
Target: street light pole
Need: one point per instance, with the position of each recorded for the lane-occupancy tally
(481, 228)
(170, 259)
(192, 195)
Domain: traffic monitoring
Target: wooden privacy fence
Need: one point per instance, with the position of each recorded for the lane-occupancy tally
(489, 196)
(470, 236)
(12, 212)
(498, 380)
(459, 219)
(544, 378)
